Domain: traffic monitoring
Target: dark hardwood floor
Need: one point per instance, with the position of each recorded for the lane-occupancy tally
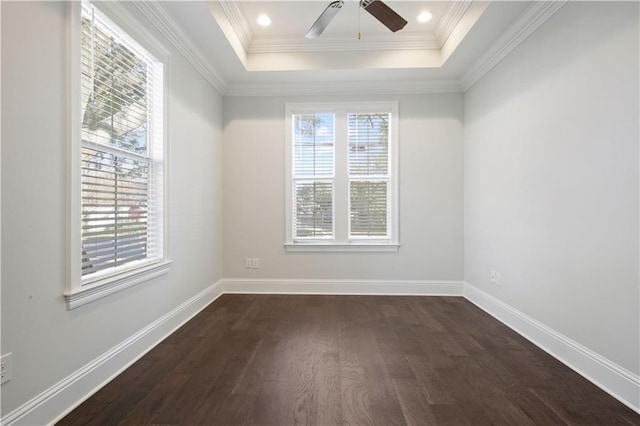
(356, 360)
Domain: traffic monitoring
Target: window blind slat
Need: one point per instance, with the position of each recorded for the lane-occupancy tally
(115, 227)
(132, 213)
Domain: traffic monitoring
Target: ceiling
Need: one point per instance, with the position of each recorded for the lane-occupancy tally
(241, 57)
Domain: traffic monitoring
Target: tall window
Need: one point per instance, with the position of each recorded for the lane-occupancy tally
(120, 143)
(341, 177)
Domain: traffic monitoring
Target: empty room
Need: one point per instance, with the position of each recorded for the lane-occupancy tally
(320, 212)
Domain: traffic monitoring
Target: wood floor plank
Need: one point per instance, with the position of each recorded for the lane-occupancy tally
(328, 383)
(393, 354)
(356, 405)
(533, 407)
(155, 399)
(236, 409)
(256, 371)
(452, 415)
(435, 386)
(424, 317)
(348, 360)
(301, 401)
(500, 410)
(269, 406)
(385, 406)
(415, 407)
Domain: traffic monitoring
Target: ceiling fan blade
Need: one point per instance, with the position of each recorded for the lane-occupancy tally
(384, 14)
(325, 17)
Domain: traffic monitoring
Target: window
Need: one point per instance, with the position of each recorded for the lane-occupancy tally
(118, 165)
(342, 177)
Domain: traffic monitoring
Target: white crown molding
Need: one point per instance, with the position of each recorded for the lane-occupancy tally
(344, 88)
(345, 43)
(532, 18)
(239, 22)
(343, 287)
(163, 21)
(604, 373)
(450, 18)
(54, 403)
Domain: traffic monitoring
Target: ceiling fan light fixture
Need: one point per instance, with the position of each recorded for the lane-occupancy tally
(425, 16)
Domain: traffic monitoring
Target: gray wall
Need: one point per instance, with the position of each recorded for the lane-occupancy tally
(430, 183)
(551, 178)
(49, 342)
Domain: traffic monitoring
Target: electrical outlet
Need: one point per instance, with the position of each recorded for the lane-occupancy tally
(255, 262)
(5, 368)
(493, 277)
(247, 263)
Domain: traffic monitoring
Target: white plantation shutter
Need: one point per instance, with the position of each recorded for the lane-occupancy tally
(314, 209)
(369, 208)
(313, 175)
(122, 149)
(369, 177)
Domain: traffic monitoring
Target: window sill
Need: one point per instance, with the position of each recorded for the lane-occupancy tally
(114, 284)
(341, 248)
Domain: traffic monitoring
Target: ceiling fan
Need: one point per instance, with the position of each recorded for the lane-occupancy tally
(376, 8)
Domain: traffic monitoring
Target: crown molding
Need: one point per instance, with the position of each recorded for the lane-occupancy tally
(344, 43)
(530, 20)
(239, 22)
(345, 88)
(161, 19)
(450, 18)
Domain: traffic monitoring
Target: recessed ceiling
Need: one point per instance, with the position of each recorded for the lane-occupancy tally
(291, 18)
(436, 55)
(350, 37)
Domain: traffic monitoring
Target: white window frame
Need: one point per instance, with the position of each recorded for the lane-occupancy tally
(341, 241)
(81, 291)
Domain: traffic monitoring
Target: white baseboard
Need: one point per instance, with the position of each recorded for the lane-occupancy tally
(607, 375)
(57, 401)
(344, 287)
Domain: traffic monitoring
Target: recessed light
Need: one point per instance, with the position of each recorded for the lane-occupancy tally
(264, 20)
(424, 17)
